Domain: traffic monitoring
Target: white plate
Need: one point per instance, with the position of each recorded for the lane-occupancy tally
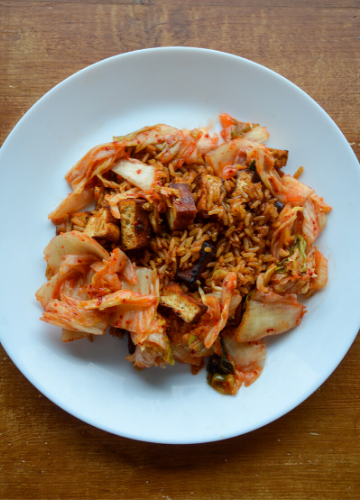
(181, 87)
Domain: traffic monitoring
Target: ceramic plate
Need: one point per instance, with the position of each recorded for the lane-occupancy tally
(183, 87)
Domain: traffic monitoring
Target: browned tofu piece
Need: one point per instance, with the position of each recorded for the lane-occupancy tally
(103, 225)
(182, 211)
(191, 275)
(183, 304)
(280, 157)
(135, 225)
(64, 225)
(210, 187)
(155, 221)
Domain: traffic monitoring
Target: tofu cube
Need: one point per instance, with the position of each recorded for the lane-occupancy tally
(182, 211)
(183, 304)
(103, 225)
(280, 157)
(135, 225)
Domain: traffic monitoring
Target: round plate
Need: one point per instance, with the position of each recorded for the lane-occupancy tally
(183, 87)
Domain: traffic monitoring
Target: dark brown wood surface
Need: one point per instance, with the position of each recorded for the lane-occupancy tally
(311, 453)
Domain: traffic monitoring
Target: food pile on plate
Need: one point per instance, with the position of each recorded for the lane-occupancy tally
(192, 248)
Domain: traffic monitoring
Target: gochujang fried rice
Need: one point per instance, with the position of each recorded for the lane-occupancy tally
(194, 249)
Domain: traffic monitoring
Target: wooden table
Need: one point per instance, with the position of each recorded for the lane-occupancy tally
(313, 452)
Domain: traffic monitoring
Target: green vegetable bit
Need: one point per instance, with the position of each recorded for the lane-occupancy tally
(241, 128)
(219, 370)
(252, 166)
(299, 244)
(249, 296)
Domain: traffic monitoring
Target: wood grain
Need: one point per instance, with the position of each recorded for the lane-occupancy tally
(314, 451)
